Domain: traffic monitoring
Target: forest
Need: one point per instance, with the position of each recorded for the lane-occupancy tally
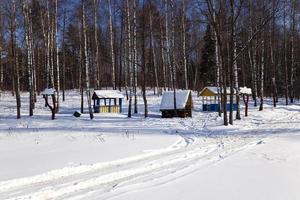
(159, 45)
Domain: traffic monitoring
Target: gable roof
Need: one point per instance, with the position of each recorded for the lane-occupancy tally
(167, 101)
(212, 91)
(108, 94)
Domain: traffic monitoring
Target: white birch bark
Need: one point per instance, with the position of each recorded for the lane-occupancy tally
(57, 59)
(97, 65)
(135, 55)
(28, 40)
(112, 46)
(130, 71)
(184, 45)
(262, 75)
(153, 53)
(163, 63)
(86, 59)
(293, 68)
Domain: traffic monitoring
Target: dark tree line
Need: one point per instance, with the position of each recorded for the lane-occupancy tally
(157, 44)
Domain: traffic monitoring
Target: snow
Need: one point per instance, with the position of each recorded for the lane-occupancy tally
(245, 90)
(115, 157)
(167, 101)
(109, 94)
(48, 91)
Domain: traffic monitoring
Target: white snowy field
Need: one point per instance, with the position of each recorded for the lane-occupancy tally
(113, 157)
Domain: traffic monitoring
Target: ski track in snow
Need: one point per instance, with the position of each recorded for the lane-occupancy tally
(103, 177)
(199, 145)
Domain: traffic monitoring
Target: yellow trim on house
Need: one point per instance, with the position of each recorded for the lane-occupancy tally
(113, 109)
(207, 92)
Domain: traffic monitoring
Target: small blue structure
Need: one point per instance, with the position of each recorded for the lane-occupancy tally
(107, 101)
(211, 97)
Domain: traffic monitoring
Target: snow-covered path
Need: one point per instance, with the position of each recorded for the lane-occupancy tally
(156, 166)
(113, 156)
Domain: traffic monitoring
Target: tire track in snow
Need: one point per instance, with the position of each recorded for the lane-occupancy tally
(138, 171)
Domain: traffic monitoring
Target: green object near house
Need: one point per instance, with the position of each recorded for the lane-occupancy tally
(76, 114)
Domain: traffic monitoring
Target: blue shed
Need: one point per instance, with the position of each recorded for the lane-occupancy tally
(211, 98)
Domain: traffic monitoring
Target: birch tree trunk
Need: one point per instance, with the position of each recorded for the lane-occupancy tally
(153, 52)
(81, 62)
(167, 43)
(143, 62)
(285, 56)
(272, 57)
(293, 68)
(262, 75)
(97, 65)
(172, 64)
(112, 46)
(57, 60)
(64, 58)
(86, 59)
(28, 40)
(129, 57)
(217, 57)
(163, 62)
(135, 55)
(235, 67)
(184, 45)
(14, 58)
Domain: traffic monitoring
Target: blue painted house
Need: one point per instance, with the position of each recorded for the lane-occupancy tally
(211, 97)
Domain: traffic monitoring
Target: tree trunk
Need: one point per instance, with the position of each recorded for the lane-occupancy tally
(57, 59)
(153, 53)
(97, 65)
(135, 55)
(87, 77)
(112, 46)
(64, 58)
(184, 46)
(262, 75)
(129, 58)
(293, 67)
(143, 61)
(14, 59)
(285, 56)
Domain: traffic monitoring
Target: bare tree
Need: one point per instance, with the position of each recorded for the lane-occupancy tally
(86, 61)
(112, 46)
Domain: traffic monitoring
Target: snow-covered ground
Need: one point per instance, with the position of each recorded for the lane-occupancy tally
(113, 157)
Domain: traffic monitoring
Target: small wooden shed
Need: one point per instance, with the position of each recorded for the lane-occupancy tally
(210, 96)
(184, 104)
(107, 101)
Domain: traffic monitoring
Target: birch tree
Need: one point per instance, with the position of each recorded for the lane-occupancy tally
(86, 62)
(57, 59)
(14, 57)
(29, 48)
(184, 44)
(112, 46)
(97, 64)
(129, 51)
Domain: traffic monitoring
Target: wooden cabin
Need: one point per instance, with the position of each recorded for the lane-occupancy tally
(184, 104)
(211, 96)
(107, 101)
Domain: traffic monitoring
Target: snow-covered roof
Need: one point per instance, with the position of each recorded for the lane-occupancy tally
(245, 90)
(167, 102)
(109, 94)
(214, 90)
(48, 91)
